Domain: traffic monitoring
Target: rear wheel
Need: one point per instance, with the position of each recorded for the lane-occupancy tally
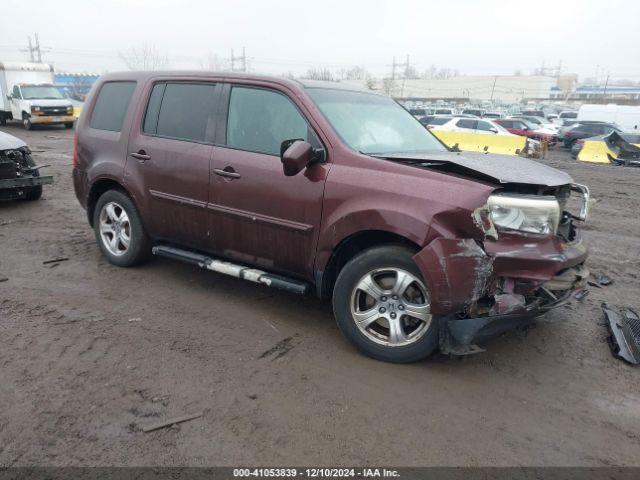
(382, 306)
(119, 231)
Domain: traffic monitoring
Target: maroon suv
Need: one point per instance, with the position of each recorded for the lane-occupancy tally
(315, 186)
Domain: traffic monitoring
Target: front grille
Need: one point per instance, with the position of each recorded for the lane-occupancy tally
(14, 163)
(53, 111)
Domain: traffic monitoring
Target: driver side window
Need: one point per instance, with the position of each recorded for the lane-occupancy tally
(16, 92)
(260, 120)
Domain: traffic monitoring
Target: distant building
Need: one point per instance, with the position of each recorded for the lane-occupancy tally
(75, 85)
(505, 88)
(601, 93)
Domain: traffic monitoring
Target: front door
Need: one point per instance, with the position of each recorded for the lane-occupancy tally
(259, 216)
(169, 160)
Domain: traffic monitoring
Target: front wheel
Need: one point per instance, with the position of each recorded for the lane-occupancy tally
(68, 125)
(119, 231)
(382, 306)
(26, 122)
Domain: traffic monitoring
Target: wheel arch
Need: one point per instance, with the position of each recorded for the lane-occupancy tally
(99, 187)
(350, 246)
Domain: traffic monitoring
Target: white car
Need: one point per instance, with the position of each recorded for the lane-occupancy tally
(476, 125)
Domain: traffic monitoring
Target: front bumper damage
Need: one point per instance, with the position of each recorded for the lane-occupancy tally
(483, 289)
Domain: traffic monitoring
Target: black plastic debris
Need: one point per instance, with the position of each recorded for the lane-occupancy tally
(600, 280)
(624, 325)
(580, 294)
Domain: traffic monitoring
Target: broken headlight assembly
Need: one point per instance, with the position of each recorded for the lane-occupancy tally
(525, 213)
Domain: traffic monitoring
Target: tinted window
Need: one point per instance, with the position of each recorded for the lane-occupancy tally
(443, 111)
(260, 120)
(185, 111)
(486, 126)
(467, 123)
(508, 124)
(16, 92)
(439, 120)
(153, 109)
(111, 105)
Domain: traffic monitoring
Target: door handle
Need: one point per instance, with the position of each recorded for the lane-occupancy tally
(140, 155)
(226, 172)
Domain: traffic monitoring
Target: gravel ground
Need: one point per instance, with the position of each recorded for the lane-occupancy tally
(91, 353)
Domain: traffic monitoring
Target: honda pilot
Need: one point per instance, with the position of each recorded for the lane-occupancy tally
(317, 187)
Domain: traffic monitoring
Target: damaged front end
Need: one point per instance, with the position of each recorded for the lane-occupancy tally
(19, 175)
(528, 260)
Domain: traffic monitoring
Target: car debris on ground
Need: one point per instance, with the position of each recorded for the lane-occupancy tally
(624, 326)
(171, 421)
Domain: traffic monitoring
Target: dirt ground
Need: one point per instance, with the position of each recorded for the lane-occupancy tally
(91, 353)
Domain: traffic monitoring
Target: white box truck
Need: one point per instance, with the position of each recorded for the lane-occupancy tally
(625, 116)
(27, 94)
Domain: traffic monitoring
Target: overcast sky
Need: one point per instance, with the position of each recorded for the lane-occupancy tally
(474, 37)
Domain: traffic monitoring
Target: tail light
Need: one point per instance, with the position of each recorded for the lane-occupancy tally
(74, 161)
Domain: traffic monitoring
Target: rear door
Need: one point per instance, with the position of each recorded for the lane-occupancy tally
(168, 163)
(258, 215)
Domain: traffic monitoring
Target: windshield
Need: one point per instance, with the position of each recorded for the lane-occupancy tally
(371, 123)
(41, 92)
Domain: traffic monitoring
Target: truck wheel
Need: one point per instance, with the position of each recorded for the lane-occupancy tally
(382, 306)
(26, 121)
(3, 120)
(68, 125)
(119, 231)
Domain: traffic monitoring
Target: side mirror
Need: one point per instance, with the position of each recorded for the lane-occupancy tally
(9, 96)
(493, 130)
(524, 129)
(295, 156)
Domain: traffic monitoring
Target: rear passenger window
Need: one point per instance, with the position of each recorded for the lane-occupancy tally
(467, 123)
(184, 111)
(260, 120)
(111, 105)
(179, 110)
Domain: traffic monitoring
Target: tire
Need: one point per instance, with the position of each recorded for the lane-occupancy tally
(417, 338)
(69, 125)
(108, 212)
(3, 120)
(26, 122)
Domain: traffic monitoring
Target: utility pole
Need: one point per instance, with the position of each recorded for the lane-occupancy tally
(606, 82)
(495, 79)
(243, 61)
(34, 48)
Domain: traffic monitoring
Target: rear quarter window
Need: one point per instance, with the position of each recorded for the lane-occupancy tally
(111, 105)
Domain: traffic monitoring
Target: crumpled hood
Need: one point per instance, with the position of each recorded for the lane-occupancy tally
(9, 142)
(488, 166)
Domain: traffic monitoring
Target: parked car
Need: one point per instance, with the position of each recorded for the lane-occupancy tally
(534, 113)
(476, 112)
(539, 121)
(315, 186)
(418, 112)
(522, 127)
(586, 130)
(475, 125)
(444, 111)
(19, 175)
(431, 121)
(493, 115)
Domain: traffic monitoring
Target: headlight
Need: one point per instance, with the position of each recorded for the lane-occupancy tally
(35, 109)
(70, 109)
(527, 213)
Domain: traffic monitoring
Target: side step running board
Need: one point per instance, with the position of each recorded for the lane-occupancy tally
(238, 271)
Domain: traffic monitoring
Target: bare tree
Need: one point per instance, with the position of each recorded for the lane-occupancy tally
(319, 74)
(145, 57)
(212, 62)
